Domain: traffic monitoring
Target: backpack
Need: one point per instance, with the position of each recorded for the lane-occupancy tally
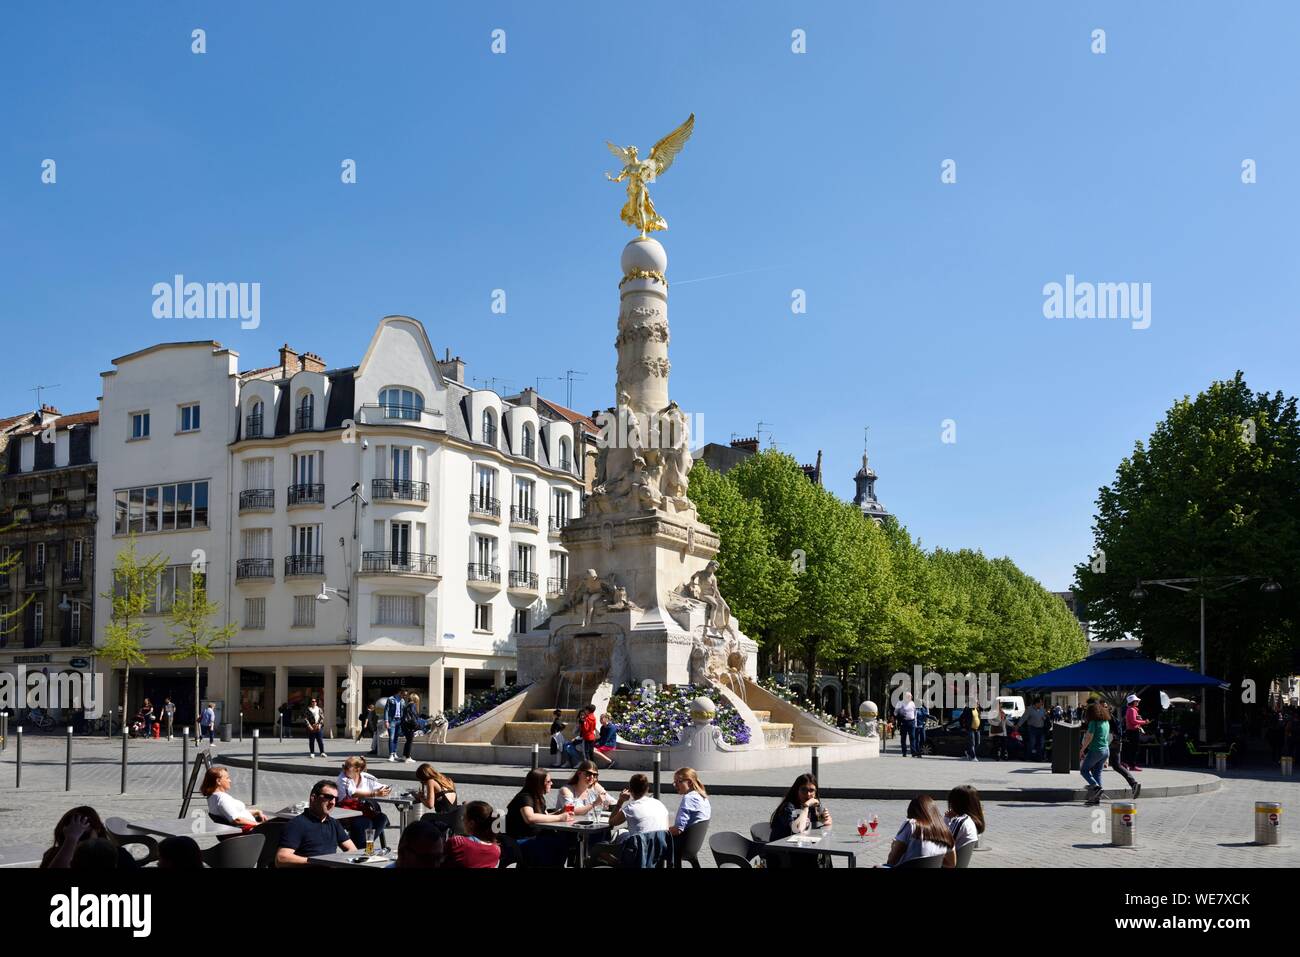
(974, 719)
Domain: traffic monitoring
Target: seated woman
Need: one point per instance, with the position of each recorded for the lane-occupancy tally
(923, 834)
(225, 806)
(583, 791)
(479, 848)
(694, 807)
(606, 742)
(799, 811)
(80, 825)
(437, 792)
(356, 785)
(965, 816)
(526, 810)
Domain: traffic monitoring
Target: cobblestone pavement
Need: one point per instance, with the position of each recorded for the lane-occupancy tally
(1201, 830)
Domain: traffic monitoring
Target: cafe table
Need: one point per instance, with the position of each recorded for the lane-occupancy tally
(352, 859)
(21, 855)
(833, 844)
(582, 828)
(184, 827)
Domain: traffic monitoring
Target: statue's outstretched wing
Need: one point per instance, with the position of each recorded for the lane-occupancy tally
(618, 151)
(666, 150)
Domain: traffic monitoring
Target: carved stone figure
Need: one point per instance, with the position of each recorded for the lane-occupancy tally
(675, 459)
(704, 586)
(639, 212)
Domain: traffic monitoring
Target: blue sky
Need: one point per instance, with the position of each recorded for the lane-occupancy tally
(818, 171)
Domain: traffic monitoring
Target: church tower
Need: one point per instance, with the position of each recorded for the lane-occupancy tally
(865, 498)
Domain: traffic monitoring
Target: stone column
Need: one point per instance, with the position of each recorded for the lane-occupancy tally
(331, 702)
(642, 341)
(499, 678)
(281, 688)
(234, 698)
(436, 680)
(458, 687)
(216, 691)
(355, 703)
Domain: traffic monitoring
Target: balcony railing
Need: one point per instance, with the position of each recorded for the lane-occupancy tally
(490, 434)
(484, 573)
(482, 505)
(558, 522)
(555, 586)
(399, 488)
(394, 410)
(255, 568)
(398, 563)
(252, 426)
(33, 637)
(566, 465)
(72, 573)
(523, 580)
(527, 447)
(258, 498)
(523, 515)
(304, 565)
(307, 494)
(35, 576)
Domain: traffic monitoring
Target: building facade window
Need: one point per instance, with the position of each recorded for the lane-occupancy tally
(190, 417)
(165, 508)
(254, 425)
(489, 428)
(482, 617)
(521, 620)
(172, 580)
(304, 611)
(566, 458)
(529, 445)
(399, 403)
(306, 412)
(402, 611)
(75, 620)
(139, 425)
(254, 614)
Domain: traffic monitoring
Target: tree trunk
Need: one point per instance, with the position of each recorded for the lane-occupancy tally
(198, 709)
(126, 699)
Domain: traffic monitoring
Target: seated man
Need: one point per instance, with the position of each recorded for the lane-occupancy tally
(313, 832)
(641, 813)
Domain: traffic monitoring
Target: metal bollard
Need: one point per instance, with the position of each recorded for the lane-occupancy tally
(256, 739)
(658, 763)
(185, 760)
(18, 770)
(241, 727)
(534, 757)
(4, 729)
(1288, 765)
(125, 739)
(1268, 822)
(814, 762)
(67, 764)
(1123, 824)
(281, 729)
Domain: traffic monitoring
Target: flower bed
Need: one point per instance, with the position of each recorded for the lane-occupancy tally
(476, 706)
(790, 696)
(661, 717)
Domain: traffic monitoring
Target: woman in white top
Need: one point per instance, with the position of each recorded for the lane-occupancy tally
(356, 782)
(223, 804)
(965, 815)
(583, 790)
(923, 834)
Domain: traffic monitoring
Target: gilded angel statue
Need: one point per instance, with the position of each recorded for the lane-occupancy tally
(639, 212)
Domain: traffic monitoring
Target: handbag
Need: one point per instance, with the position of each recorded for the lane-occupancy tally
(366, 806)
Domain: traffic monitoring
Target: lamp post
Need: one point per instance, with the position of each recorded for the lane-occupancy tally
(65, 606)
(324, 595)
(1202, 586)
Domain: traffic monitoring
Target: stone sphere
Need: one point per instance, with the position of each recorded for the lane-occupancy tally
(645, 254)
(702, 710)
(867, 711)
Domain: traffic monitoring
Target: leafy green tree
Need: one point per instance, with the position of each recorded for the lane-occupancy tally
(1215, 491)
(11, 620)
(134, 588)
(193, 633)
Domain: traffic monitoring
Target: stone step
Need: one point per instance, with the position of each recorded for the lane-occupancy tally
(526, 733)
(567, 715)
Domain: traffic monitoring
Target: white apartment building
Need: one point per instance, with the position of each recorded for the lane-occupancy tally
(368, 528)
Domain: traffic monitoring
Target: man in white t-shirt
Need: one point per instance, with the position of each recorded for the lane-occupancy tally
(906, 714)
(639, 811)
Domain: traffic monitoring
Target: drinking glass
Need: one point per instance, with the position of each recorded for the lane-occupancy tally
(862, 828)
(873, 823)
(370, 842)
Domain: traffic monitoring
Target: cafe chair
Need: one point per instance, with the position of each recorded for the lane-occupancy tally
(241, 852)
(922, 863)
(453, 820)
(730, 848)
(689, 842)
(761, 832)
(123, 836)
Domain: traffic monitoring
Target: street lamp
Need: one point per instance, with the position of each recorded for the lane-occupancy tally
(1198, 586)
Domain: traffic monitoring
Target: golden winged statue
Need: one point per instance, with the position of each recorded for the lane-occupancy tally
(639, 212)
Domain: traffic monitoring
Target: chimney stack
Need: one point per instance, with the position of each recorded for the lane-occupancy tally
(746, 445)
(451, 368)
(288, 361)
(312, 362)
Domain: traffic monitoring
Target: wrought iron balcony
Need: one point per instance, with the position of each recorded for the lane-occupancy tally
(301, 565)
(253, 426)
(258, 498)
(555, 586)
(523, 515)
(398, 563)
(484, 573)
(255, 568)
(566, 465)
(307, 494)
(34, 577)
(559, 521)
(523, 580)
(72, 573)
(399, 488)
(394, 410)
(303, 420)
(482, 505)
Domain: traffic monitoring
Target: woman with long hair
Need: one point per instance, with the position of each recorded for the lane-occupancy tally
(224, 805)
(527, 809)
(79, 825)
(965, 816)
(1094, 752)
(357, 787)
(583, 790)
(694, 806)
(923, 834)
(410, 724)
(478, 848)
(800, 810)
(437, 792)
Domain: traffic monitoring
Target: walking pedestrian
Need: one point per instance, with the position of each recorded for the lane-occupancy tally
(1095, 749)
(1033, 727)
(589, 733)
(998, 734)
(970, 723)
(393, 717)
(1116, 747)
(208, 721)
(906, 715)
(1133, 725)
(315, 719)
(169, 713)
(410, 725)
(918, 729)
(557, 737)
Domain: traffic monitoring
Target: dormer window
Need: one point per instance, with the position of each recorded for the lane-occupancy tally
(253, 421)
(399, 403)
(566, 460)
(489, 428)
(528, 445)
(306, 412)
